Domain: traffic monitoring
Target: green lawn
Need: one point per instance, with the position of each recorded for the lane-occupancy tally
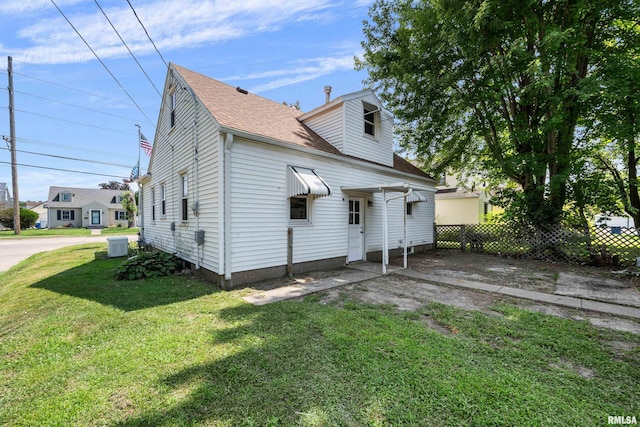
(56, 232)
(78, 348)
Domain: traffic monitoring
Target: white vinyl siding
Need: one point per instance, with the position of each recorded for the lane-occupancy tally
(174, 153)
(378, 148)
(260, 209)
(329, 125)
(259, 198)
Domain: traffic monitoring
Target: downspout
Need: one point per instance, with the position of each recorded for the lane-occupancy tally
(141, 210)
(228, 143)
(196, 201)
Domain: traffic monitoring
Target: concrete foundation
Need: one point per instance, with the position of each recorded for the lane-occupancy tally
(241, 278)
(376, 256)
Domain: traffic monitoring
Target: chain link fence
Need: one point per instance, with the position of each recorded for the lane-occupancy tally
(602, 246)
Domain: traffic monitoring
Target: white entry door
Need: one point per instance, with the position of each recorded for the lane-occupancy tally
(356, 229)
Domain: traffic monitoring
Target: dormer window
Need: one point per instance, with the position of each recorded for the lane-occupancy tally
(65, 197)
(371, 119)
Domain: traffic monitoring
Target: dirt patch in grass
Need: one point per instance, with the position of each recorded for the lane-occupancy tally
(407, 294)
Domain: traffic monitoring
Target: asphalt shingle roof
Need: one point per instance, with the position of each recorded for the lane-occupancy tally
(238, 110)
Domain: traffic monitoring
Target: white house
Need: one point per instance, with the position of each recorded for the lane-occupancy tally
(85, 207)
(245, 188)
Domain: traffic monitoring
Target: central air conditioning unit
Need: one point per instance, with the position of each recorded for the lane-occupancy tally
(117, 246)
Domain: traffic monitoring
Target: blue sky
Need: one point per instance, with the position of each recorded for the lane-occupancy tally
(69, 107)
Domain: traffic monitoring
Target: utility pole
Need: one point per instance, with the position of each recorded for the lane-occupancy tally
(14, 160)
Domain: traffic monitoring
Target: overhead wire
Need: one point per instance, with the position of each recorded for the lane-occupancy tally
(23, 140)
(71, 88)
(147, 33)
(127, 46)
(66, 120)
(89, 93)
(66, 170)
(72, 105)
(103, 64)
(96, 162)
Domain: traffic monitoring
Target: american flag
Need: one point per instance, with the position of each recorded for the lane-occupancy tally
(134, 175)
(144, 144)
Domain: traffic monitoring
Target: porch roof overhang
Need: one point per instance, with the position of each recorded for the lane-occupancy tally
(407, 192)
(393, 187)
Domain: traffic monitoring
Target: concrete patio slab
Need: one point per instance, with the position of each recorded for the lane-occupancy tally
(598, 289)
(308, 287)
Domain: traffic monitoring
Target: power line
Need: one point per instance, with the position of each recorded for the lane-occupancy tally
(72, 105)
(71, 88)
(63, 146)
(125, 45)
(67, 121)
(67, 170)
(97, 162)
(102, 62)
(147, 33)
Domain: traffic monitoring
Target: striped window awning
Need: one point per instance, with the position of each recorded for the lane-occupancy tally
(305, 182)
(416, 197)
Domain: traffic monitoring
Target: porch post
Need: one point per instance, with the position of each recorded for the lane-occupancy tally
(385, 253)
(404, 239)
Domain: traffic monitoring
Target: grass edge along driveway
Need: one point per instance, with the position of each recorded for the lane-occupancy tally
(79, 348)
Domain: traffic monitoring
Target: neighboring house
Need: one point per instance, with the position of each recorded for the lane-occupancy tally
(457, 205)
(85, 207)
(5, 198)
(43, 213)
(246, 188)
(614, 221)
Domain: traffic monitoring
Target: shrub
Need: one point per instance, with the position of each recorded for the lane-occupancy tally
(148, 264)
(28, 218)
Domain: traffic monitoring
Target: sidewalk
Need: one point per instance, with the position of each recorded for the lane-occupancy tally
(542, 297)
(366, 271)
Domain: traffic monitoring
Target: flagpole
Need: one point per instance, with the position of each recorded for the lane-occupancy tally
(139, 144)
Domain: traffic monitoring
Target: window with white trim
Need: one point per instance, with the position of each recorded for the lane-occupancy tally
(299, 209)
(184, 197)
(153, 204)
(65, 215)
(65, 197)
(172, 105)
(409, 209)
(163, 200)
(120, 215)
(371, 119)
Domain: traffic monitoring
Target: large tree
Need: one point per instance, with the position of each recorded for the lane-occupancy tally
(615, 118)
(500, 84)
(114, 185)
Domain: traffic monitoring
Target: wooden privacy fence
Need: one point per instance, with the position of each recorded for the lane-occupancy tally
(604, 246)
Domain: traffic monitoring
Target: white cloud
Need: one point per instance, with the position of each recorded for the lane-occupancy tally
(171, 24)
(26, 6)
(305, 70)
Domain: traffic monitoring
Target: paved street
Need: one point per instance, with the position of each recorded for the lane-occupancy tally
(12, 251)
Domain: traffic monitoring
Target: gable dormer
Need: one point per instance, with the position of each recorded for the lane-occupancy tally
(355, 124)
(63, 196)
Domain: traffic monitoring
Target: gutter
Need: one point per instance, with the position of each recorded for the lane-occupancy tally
(341, 158)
